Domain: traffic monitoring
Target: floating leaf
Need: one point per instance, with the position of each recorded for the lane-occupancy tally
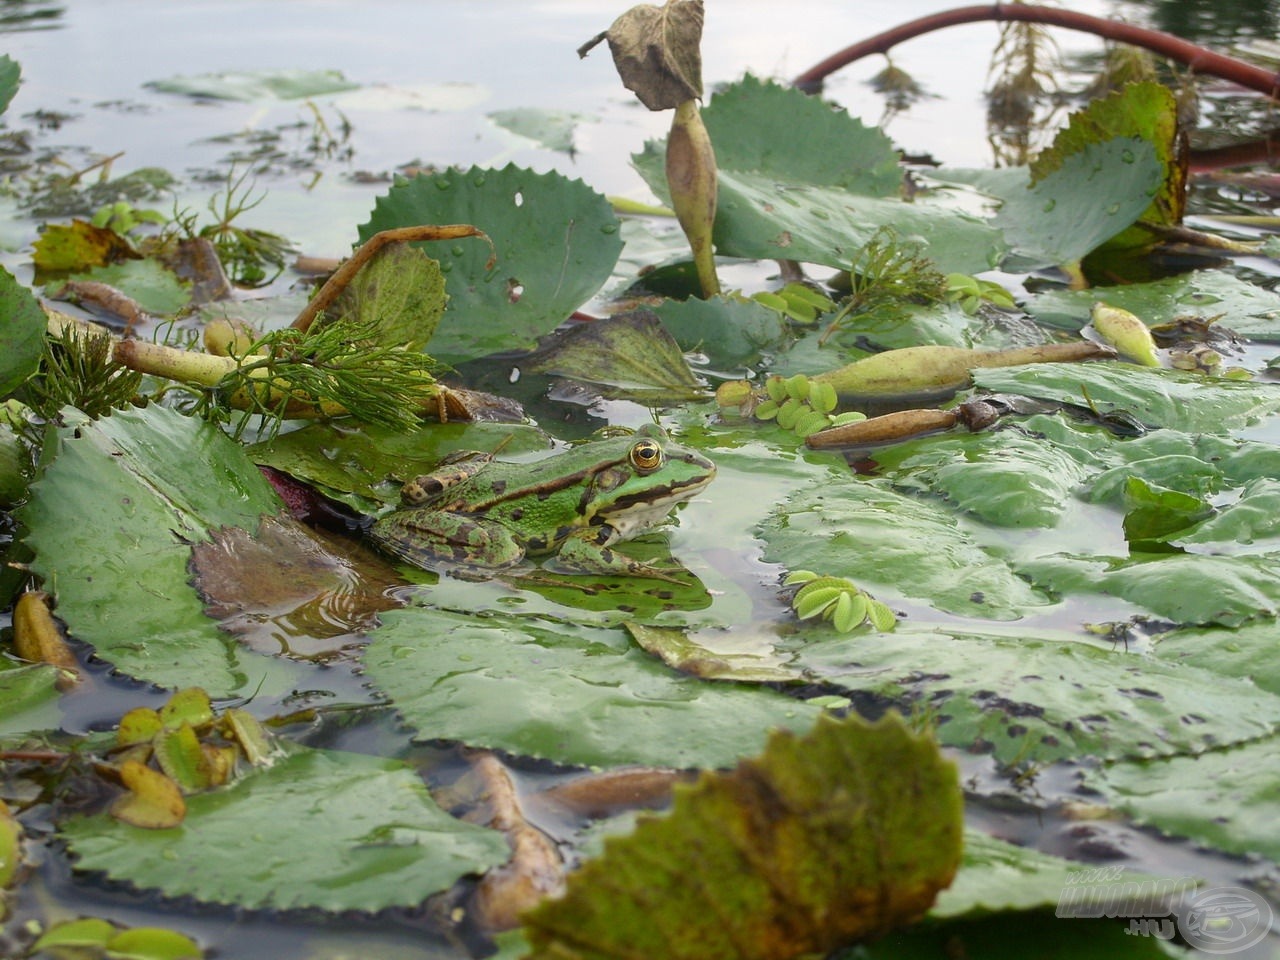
(919, 550)
(728, 331)
(1158, 398)
(1094, 195)
(825, 840)
(10, 78)
(154, 801)
(154, 287)
(87, 932)
(1243, 307)
(1030, 696)
(1226, 799)
(257, 85)
(28, 698)
(158, 482)
(571, 694)
(22, 335)
(684, 653)
(552, 129)
(152, 943)
(658, 52)
(333, 831)
(557, 241)
(631, 355)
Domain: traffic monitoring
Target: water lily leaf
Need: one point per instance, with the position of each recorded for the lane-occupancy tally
(1248, 651)
(801, 180)
(726, 330)
(1184, 588)
(657, 52)
(1030, 696)
(1157, 514)
(557, 241)
(399, 293)
(250, 85)
(997, 876)
(376, 840)
(571, 694)
(1147, 111)
(1008, 478)
(1246, 308)
(1158, 398)
(552, 129)
(10, 78)
(22, 336)
(1090, 197)
(1226, 799)
(684, 653)
(631, 355)
(823, 841)
(1254, 516)
(154, 286)
(28, 698)
(875, 536)
(158, 481)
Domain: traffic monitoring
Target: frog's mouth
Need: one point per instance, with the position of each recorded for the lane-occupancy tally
(643, 510)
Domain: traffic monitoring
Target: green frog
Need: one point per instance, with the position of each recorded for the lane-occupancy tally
(474, 511)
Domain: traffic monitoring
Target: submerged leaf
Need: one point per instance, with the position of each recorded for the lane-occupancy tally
(631, 355)
(333, 831)
(823, 841)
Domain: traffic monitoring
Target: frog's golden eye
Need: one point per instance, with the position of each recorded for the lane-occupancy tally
(646, 455)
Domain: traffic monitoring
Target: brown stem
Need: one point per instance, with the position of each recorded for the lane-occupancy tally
(334, 286)
(1193, 55)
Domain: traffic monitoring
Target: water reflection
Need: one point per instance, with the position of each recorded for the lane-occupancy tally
(1215, 23)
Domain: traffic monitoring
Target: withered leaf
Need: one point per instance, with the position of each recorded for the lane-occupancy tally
(657, 52)
(153, 801)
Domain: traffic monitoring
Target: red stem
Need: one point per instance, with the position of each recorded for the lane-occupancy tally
(1194, 56)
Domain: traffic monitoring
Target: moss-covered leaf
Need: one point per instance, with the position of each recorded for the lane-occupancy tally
(823, 841)
(333, 831)
(556, 241)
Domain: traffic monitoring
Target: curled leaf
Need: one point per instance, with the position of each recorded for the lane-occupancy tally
(153, 802)
(657, 52)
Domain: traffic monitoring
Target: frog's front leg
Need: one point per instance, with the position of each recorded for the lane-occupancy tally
(587, 551)
(427, 538)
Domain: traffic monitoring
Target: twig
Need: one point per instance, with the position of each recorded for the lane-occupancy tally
(1198, 58)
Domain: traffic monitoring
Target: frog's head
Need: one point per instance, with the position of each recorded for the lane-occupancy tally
(650, 476)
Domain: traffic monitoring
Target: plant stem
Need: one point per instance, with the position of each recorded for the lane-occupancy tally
(1198, 58)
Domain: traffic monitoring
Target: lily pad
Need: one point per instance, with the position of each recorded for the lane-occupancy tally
(1158, 398)
(575, 695)
(1030, 696)
(556, 240)
(28, 698)
(319, 829)
(1248, 309)
(22, 336)
(552, 129)
(157, 481)
(1227, 799)
(1091, 197)
(155, 287)
(824, 841)
(889, 542)
(728, 331)
(257, 84)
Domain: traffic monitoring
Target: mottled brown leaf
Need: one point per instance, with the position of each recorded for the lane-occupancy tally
(657, 51)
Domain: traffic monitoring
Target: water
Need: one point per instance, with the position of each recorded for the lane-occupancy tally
(429, 73)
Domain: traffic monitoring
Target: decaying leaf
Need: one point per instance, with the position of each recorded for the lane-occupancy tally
(78, 247)
(826, 840)
(399, 293)
(153, 802)
(657, 52)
